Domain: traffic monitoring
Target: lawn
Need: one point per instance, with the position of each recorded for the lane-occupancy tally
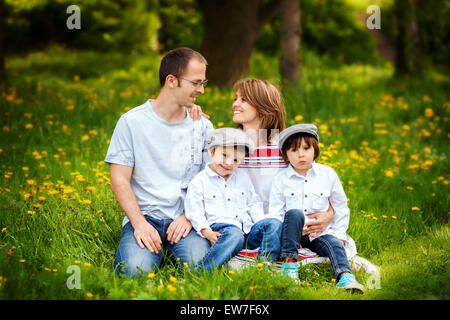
(387, 139)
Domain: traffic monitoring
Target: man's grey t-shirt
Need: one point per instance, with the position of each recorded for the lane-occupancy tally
(165, 157)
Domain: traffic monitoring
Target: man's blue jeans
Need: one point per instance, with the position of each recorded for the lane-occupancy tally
(264, 234)
(130, 257)
(326, 245)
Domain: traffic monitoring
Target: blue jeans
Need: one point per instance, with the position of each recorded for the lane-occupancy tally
(326, 245)
(130, 258)
(264, 234)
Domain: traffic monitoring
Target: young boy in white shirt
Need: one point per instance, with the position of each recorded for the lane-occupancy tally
(303, 188)
(223, 207)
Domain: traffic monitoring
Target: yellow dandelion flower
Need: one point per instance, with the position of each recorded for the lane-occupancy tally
(220, 124)
(159, 288)
(409, 188)
(77, 262)
(260, 265)
(28, 126)
(171, 288)
(22, 260)
(90, 188)
(172, 279)
(151, 275)
(4, 229)
(87, 264)
(85, 137)
(429, 112)
(298, 117)
(388, 173)
(89, 295)
(394, 217)
(36, 205)
(42, 199)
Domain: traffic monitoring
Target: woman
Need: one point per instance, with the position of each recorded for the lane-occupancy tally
(258, 110)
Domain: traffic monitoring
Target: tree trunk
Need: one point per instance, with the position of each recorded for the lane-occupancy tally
(408, 53)
(230, 30)
(2, 46)
(290, 41)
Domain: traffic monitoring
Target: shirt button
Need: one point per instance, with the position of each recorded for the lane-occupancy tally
(304, 210)
(225, 186)
(292, 194)
(306, 196)
(306, 180)
(214, 196)
(229, 199)
(321, 194)
(236, 216)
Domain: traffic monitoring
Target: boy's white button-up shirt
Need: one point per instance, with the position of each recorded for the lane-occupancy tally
(313, 193)
(210, 199)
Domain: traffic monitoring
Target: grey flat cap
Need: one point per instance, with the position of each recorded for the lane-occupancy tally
(298, 128)
(229, 137)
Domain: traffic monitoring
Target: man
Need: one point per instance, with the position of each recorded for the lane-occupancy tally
(155, 150)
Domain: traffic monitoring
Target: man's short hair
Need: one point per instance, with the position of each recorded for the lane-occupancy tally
(176, 61)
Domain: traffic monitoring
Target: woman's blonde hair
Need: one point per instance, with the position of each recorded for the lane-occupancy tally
(266, 98)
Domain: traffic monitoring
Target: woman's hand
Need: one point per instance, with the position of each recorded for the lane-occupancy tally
(196, 112)
(322, 220)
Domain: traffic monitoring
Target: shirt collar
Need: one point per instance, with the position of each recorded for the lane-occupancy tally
(211, 173)
(312, 171)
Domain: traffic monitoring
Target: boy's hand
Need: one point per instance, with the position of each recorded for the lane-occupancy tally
(196, 112)
(210, 235)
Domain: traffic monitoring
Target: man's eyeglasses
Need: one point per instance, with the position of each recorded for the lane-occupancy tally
(196, 84)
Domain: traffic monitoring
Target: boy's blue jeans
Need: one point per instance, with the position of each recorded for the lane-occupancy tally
(130, 257)
(326, 245)
(264, 234)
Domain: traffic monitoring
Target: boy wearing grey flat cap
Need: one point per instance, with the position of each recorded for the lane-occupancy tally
(223, 207)
(303, 188)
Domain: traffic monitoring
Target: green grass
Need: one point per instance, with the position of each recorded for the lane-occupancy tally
(387, 139)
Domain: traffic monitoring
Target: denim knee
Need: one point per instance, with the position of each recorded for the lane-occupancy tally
(235, 238)
(295, 215)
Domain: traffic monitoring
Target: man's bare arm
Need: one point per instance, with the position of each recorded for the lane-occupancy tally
(145, 234)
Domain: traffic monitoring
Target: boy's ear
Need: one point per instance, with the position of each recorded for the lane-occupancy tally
(211, 152)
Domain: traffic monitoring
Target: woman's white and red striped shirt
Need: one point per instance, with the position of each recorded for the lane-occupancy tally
(261, 166)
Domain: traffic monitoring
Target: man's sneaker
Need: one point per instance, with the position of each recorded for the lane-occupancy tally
(290, 269)
(348, 281)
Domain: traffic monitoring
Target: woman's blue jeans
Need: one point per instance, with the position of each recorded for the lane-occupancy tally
(131, 259)
(326, 245)
(264, 234)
